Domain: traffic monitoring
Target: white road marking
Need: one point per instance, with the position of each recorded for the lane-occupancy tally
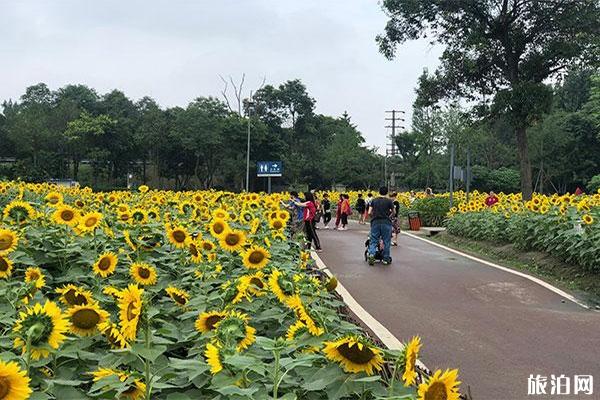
(540, 282)
(387, 338)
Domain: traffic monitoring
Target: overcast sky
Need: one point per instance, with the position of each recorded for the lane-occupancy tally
(174, 51)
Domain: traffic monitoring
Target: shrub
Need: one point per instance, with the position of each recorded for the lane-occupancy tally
(432, 210)
(594, 184)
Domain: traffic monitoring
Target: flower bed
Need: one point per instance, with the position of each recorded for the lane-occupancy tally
(176, 295)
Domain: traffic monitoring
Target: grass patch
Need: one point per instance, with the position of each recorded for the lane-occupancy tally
(571, 277)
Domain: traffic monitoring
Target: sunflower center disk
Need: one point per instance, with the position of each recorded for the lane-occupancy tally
(130, 311)
(179, 299)
(355, 354)
(4, 387)
(257, 282)
(437, 391)
(3, 265)
(85, 319)
(5, 242)
(90, 222)
(179, 236)
(67, 215)
(212, 320)
(232, 240)
(144, 273)
(75, 298)
(256, 257)
(104, 264)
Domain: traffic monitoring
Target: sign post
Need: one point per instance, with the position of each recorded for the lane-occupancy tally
(269, 169)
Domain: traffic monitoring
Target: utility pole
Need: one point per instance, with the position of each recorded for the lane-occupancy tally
(391, 149)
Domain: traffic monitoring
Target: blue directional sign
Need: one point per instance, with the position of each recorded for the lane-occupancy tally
(269, 168)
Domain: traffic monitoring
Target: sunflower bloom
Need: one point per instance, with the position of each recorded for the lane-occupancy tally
(411, 354)
(47, 326)
(442, 385)
(106, 264)
(8, 241)
(14, 382)
(354, 355)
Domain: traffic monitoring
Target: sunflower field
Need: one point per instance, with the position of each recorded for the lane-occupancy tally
(565, 226)
(178, 295)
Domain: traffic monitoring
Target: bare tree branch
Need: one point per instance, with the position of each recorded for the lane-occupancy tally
(224, 93)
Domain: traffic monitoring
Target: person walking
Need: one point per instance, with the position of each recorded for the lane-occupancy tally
(361, 208)
(338, 212)
(381, 209)
(345, 211)
(326, 210)
(308, 216)
(491, 199)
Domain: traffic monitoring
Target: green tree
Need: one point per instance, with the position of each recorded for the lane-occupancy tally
(505, 48)
(80, 135)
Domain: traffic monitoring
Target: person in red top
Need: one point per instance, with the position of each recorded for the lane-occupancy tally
(310, 210)
(491, 199)
(345, 211)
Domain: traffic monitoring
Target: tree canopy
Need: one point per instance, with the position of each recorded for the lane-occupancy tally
(505, 49)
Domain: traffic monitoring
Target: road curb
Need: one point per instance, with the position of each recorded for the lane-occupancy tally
(387, 338)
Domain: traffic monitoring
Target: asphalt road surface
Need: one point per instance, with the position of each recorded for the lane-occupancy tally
(496, 327)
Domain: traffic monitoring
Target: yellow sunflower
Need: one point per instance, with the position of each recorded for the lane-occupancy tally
(34, 275)
(143, 188)
(232, 240)
(442, 385)
(295, 329)
(354, 355)
(207, 246)
(281, 287)
(219, 213)
(14, 382)
(139, 215)
(178, 236)
(85, 320)
(90, 221)
(113, 334)
(194, 250)
(18, 212)
(6, 266)
(53, 198)
(278, 224)
(130, 310)
(206, 321)
(411, 355)
(213, 358)
(46, 326)
(8, 241)
(106, 264)
(256, 257)
(181, 297)
(587, 219)
(136, 389)
(66, 215)
(142, 273)
(234, 330)
(218, 227)
(71, 295)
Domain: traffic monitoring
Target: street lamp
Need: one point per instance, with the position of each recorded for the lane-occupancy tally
(249, 103)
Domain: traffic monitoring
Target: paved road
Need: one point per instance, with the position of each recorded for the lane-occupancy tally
(496, 327)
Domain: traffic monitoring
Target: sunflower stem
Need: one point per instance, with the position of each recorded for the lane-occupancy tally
(394, 372)
(146, 360)
(276, 374)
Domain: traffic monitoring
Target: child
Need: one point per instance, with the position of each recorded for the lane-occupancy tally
(326, 210)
